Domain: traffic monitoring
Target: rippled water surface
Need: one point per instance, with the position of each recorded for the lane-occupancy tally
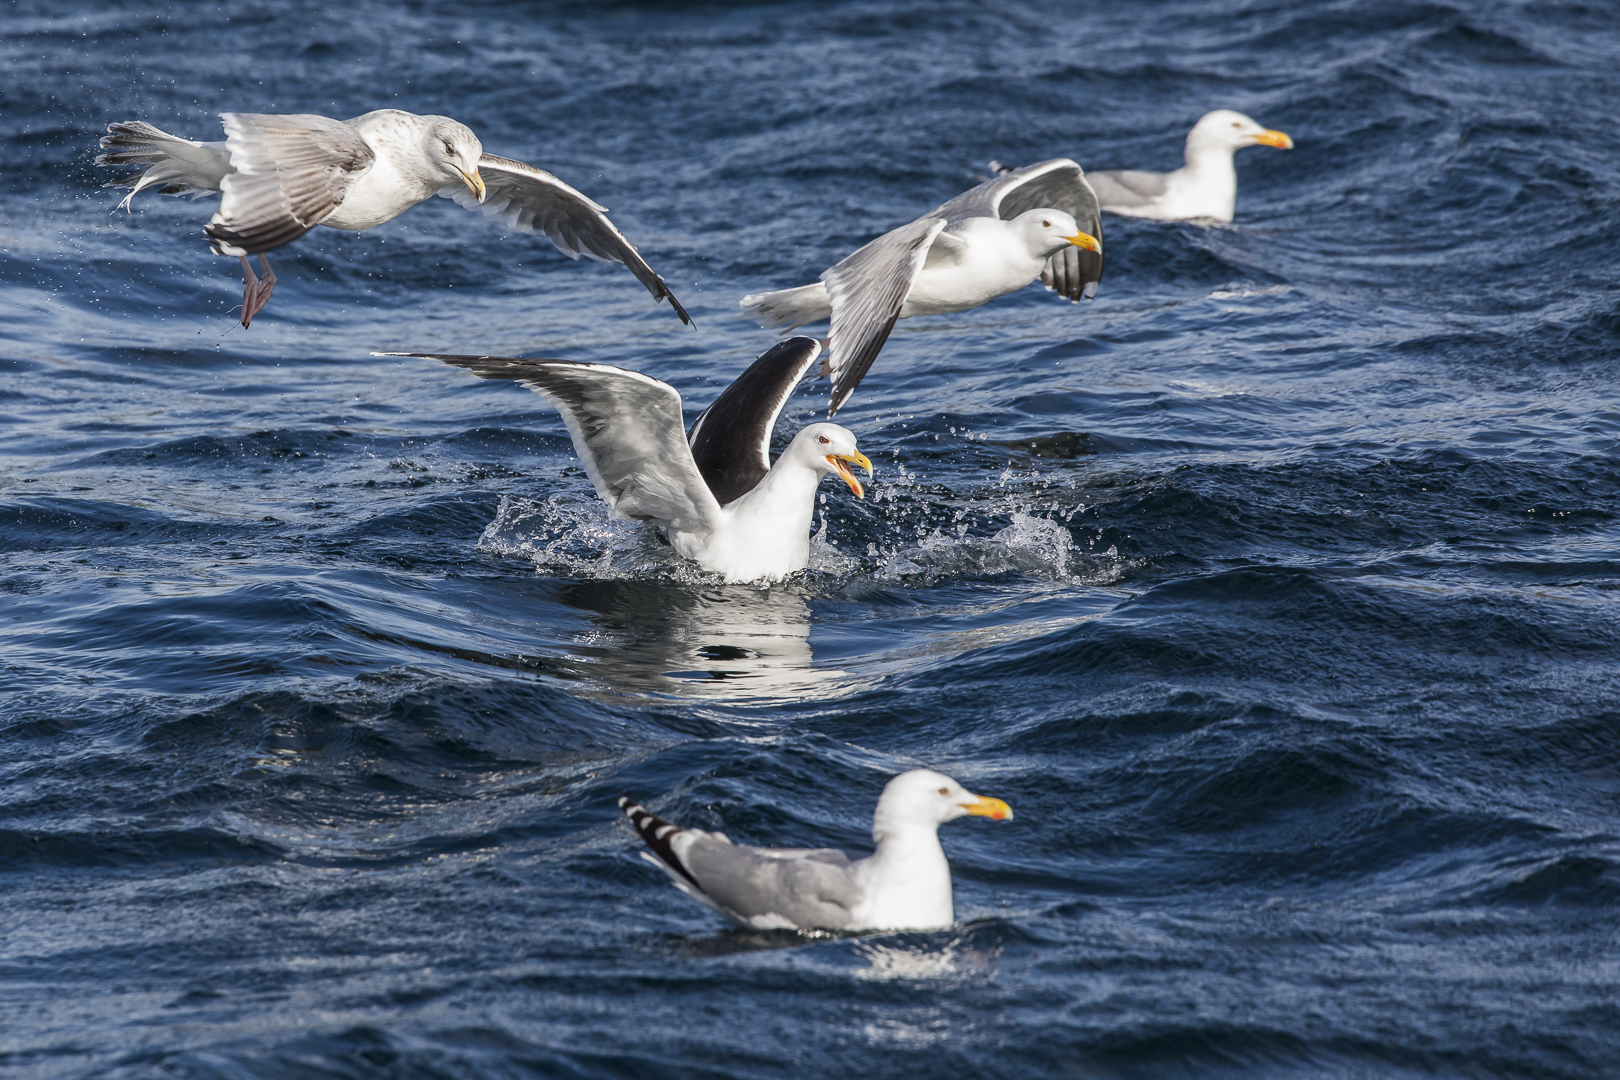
(1275, 588)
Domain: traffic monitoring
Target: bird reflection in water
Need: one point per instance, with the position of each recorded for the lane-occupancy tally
(719, 640)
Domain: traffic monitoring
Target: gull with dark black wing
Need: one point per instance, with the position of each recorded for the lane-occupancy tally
(715, 491)
(280, 175)
(1040, 221)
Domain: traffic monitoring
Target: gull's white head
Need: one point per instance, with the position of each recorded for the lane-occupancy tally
(1048, 231)
(927, 799)
(830, 449)
(454, 150)
(1228, 131)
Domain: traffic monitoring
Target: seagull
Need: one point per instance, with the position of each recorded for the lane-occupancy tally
(1204, 188)
(281, 175)
(715, 491)
(904, 885)
(985, 243)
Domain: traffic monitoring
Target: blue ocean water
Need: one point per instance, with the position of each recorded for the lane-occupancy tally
(1275, 588)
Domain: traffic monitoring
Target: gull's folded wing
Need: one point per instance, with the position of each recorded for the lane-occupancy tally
(1129, 188)
(763, 888)
(731, 440)
(531, 200)
(626, 429)
(868, 288)
(289, 172)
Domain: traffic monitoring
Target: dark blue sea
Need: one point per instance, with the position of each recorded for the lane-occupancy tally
(1277, 589)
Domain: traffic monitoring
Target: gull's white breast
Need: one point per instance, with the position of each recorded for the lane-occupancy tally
(993, 261)
(390, 185)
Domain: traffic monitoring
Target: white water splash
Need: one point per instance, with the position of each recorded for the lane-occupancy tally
(573, 535)
(1033, 546)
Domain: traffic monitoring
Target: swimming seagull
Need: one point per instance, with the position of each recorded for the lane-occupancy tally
(904, 885)
(715, 490)
(1038, 221)
(281, 175)
(1204, 188)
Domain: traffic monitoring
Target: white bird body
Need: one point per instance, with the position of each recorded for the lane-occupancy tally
(1205, 188)
(905, 884)
(719, 498)
(765, 534)
(398, 177)
(967, 265)
(984, 258)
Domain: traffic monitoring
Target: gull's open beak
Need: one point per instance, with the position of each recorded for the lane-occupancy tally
(1085, 240)
(841, 462)
(1274, 138)
(984, 806)
(475, 182)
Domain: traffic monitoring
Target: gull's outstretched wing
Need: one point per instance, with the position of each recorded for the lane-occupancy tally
(1060, 183)
(289, 172)
(731, 440)
(762, 888)
(531, 200)
(627, 430)
(868, 288)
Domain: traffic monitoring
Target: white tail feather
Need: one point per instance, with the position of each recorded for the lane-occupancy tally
(789, 307)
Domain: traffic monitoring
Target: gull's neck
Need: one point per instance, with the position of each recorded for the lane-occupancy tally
(397, 138)
(907, 882)
(765, 533)
(1208, 182)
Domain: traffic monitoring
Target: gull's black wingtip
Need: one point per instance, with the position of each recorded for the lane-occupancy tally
(676, 304)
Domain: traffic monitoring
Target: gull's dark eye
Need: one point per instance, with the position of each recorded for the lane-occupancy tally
(1046, 224)
(451, 150)
(822, 439)
(944, 791)
(1236, 124)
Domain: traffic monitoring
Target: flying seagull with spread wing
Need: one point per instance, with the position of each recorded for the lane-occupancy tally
(1037, 222)
(280, 175)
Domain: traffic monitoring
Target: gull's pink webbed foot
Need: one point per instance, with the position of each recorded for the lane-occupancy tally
(256, 290)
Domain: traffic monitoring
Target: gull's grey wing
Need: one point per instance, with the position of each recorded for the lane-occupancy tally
(731, 439)
(1060, 183)
(288, 173)
(626, 428)
(1128, 188)
(811, 890)
(868, 288)
(763, 888)
(532, 200)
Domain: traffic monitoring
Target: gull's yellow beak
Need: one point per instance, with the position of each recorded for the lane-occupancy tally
(475, 182)
(1085, 240)
(1274, 138)
(984, 806)
(841, 462)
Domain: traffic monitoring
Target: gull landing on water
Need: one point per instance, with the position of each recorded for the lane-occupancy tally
(1203, 189)
(723, 503)
(1040, 221)
(904, 885)
(281, 175)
